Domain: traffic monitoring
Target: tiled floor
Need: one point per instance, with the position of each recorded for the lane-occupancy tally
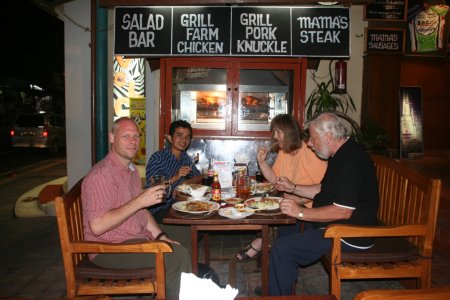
(312, 279)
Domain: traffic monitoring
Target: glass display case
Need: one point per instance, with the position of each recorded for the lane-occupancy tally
(232, 98)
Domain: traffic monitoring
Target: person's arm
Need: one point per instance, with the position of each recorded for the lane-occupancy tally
(327, 213)
(155, 230)
(267, 171)
(306, 191)
(114, 217)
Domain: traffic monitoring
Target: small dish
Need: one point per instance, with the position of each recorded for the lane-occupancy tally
(233, 200)
(205, 198)
(233, 213)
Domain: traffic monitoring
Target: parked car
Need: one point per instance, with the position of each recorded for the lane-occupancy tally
(39, 130)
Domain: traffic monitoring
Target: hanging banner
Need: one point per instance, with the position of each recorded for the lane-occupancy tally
(239, 31)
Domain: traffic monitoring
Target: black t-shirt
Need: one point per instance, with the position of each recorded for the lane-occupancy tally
(350, 181)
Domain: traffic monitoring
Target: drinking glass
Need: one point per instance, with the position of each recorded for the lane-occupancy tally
(160, 180)
(243, 187)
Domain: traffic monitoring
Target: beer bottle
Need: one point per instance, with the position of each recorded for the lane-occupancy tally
(259, 176)
(216, 191)
(210, 172)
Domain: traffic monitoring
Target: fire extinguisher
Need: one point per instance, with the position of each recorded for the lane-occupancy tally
(340, 77)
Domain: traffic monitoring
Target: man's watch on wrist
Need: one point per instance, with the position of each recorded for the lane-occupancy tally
(300, 214)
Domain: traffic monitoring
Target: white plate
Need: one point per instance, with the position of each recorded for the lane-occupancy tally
(200, 199)
(225, 195)
(182, 206)
(268, 203)
(233, 213)
(184, 187)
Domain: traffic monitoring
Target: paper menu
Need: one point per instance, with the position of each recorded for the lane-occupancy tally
(225, 170)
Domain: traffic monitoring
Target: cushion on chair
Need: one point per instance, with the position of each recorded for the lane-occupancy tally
(387, 249)
(87, 269)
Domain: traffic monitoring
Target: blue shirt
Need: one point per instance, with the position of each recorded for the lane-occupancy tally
(163, 162)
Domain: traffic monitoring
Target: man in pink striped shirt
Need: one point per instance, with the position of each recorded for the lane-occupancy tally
(114, 209)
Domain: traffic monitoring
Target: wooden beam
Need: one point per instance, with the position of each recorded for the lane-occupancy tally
(112, 3)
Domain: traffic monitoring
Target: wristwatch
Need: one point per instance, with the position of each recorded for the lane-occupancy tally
(300, 214)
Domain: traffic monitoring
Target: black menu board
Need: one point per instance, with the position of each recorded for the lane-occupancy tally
(261, 31)
(201, 30)
(225, 30)
(386, 10)
(385, 40)
(143, 30)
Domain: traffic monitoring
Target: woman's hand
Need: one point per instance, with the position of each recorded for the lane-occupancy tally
(261, 154)
(284, 185)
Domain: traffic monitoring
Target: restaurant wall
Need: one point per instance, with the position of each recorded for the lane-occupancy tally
(354, 64)
(77, 54)
(433, 76)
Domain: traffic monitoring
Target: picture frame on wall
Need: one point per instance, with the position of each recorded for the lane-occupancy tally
(427, 28)
(385, 10)
(411, 124)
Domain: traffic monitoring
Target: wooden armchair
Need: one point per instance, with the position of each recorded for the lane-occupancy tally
(404, 240)
(85, 278)
(442, 293)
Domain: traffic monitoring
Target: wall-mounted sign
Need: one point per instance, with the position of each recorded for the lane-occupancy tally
(240, 31)
(386, 10)
(384, 40)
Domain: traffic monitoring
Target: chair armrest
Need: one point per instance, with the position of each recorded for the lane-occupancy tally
(341, 231)
(97, 247)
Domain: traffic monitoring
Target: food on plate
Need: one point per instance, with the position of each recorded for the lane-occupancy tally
(195, 186)
(233, 200)
(268, 203)
(240, 207)
(264, 187)
(195, 205)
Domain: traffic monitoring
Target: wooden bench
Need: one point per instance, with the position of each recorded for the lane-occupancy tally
(85, 278)
(404, 239)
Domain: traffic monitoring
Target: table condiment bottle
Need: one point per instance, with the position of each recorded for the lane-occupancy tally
(216, 191)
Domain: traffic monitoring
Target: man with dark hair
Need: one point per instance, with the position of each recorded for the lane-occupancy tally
(174, 163)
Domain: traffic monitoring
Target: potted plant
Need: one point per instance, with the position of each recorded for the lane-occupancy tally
(325, 97)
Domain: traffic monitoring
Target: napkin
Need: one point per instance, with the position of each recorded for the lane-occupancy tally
(241, 158)
(192, 287)
(197, 193)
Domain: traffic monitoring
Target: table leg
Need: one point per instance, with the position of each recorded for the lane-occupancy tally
(265, 260)
(194, 247)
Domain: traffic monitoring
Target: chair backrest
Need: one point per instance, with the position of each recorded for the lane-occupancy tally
(407, 197)
(441, 293)
(70, 224)
(85, 278)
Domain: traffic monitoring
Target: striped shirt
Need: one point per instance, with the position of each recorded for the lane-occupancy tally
(108, 185)
(163, 162)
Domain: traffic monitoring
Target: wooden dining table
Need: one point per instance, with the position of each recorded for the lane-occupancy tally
(259, 221)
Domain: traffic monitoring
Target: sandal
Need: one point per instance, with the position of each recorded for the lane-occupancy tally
(244, 256)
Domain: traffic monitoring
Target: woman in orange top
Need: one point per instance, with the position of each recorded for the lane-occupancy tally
(294, 161)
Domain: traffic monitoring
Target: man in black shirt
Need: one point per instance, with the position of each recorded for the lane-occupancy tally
(348, 194)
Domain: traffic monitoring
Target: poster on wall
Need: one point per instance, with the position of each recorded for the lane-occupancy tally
(129, 95)
(427, 28)
(411, 126)
(385, 10)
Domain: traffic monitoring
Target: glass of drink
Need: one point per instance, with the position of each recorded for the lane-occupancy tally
(160, 180)
(243, 190)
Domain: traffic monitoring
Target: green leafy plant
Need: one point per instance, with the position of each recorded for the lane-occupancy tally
(325, 97)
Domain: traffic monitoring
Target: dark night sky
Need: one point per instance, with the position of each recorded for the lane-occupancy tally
(32, 42)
